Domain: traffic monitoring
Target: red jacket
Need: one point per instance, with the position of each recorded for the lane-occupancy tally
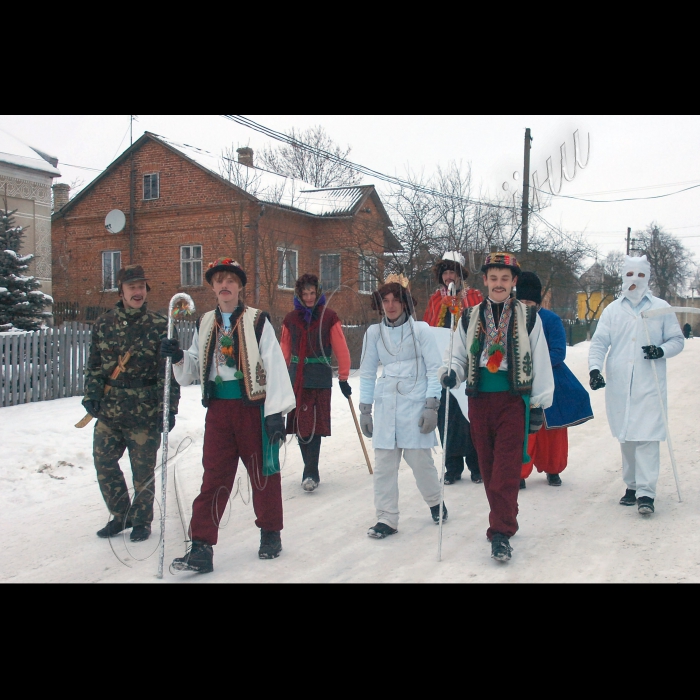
(437, 314)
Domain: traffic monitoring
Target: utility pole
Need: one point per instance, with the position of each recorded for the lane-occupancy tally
(629, 231)
(526, 192)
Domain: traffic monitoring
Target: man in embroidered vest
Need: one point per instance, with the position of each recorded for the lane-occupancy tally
(459, 441)
(128, 409)
(309, 334)
(246, 389)
(500, 352)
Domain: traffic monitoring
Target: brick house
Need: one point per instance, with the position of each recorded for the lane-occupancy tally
(181, 213)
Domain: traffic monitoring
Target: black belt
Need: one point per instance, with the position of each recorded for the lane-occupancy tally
(132, 384)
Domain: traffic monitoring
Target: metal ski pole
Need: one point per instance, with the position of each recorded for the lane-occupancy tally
(184, 305)
(651, 314)
(450, 291)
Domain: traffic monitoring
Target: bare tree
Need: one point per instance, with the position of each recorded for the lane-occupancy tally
(310, 166)
(601, 283)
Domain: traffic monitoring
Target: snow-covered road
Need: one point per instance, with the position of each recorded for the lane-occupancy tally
(51, 507)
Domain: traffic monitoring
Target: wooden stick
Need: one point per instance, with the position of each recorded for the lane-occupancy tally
(115, 373)
(359, 434)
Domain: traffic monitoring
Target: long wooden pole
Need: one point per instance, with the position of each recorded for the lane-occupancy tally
(359, 434)
(115, 373)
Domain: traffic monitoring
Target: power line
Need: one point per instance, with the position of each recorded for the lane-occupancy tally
(607, 201)
(636, 189)
(82, 167)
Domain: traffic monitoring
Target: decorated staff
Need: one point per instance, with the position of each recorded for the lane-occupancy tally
(128, 404)
(246, 389)
(406, 400)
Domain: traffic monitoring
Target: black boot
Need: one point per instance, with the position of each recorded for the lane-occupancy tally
(629, 499)
(310, 452)
(476, 477)
(554, 479)
(380, 531)
(645, 505)
(199, 558)
(270, 544)
(435, 512)
(500, 547)
(140, 533)
(114, 527)
(451, 477)
(523, 485)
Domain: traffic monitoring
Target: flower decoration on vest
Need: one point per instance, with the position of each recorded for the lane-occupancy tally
(496, 337)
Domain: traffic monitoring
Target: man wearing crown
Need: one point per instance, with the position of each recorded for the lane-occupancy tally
(246, 389)
(440, 312)
(501, 355)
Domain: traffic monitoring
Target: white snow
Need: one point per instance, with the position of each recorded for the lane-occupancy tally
(19, 258)
(50, 508)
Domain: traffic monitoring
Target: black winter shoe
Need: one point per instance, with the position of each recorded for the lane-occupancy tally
(435, 512)
(554, 479)
(451, 477)
(199, 558)
(629, 499)
(645, 505)
(270, 544)
(500, 548)
(523, 485)
(381, 530)
(309, 483)
(140, 533)
(114, 527)
(476, 478)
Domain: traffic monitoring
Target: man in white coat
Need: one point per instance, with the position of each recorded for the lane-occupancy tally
(631, 400)
(406, 398)
(246, 389)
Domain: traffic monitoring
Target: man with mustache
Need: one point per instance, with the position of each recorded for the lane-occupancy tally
(631, 399)
(129, 416)
(500, 352)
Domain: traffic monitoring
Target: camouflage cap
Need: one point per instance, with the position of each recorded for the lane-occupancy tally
(131, 273)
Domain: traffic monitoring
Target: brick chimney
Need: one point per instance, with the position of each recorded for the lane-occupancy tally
(61, 195)
(245, 156)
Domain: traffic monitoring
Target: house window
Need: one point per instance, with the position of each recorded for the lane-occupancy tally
(151, 186)
(368, 275)
(330, 272)
(287, 264)
(111, 263)
(191, 265)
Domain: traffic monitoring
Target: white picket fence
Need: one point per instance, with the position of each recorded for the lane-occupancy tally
(50, 363)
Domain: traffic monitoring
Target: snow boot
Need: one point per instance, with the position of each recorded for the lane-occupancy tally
(199, 558)
(140, 533)
(435, 512)
(451, 477)
(270, 544)
(381, 530)
(523, 485)
(645, 505)
(554, 479)
(500, 547)
(309, 483)
(114, 527)
(476, 478)
(629, 499)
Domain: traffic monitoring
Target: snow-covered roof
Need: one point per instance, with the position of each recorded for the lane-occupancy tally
(15, 152)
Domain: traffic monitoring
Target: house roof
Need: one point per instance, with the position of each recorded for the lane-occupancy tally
(17, 153)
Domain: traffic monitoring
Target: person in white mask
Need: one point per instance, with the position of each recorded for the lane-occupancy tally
(631, 399)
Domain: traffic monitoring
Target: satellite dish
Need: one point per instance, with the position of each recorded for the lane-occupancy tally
(115, 221)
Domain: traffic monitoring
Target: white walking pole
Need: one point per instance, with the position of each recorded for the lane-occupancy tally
(652, 313)
(450, 291)
(184, 305)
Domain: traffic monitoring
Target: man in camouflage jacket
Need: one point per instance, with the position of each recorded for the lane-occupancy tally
(129, 415)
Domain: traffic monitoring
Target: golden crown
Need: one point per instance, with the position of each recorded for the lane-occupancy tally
(399, 279)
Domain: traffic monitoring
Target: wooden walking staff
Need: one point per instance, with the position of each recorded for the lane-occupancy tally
(180, 304)
(359, 435)
(123, 359)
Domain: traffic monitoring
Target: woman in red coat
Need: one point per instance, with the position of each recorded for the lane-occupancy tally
(309, 334)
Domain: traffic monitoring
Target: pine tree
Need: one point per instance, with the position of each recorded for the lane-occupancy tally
(21, 302)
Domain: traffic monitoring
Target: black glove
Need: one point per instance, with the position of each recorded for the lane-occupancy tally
(169, 347)
(652, 352)
(449, 380)
(274, 427)
(536, 419)
(171, 421)
(92, 407)
(345, 388)
(596, 379)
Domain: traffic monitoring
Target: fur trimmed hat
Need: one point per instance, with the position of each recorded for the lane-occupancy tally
(529, 287)
(452, 260)
(507, 260)
(225, 265)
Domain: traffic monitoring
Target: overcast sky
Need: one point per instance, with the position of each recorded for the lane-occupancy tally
(631, 156)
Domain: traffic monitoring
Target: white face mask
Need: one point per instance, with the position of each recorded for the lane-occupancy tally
(635, 273)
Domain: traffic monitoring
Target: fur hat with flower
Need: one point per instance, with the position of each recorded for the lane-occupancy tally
(451, 260)
(226, 265)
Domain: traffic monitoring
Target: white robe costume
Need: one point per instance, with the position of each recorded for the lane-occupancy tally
(631, 398)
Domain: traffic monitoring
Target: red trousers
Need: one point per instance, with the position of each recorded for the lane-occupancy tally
(233, 430)
(498, 430)
(549, 451)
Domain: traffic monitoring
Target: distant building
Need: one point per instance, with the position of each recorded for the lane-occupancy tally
(182, 213)
(597, 291)
(26, 175)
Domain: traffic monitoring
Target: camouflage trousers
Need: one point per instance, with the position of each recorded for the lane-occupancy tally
(108, 446)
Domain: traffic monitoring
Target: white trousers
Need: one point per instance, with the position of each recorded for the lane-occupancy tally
(640, 466)
(386, 481)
